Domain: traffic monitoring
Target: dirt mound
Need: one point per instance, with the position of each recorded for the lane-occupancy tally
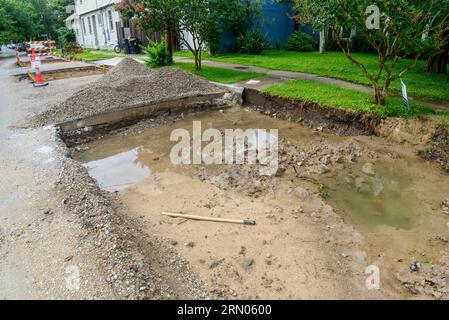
(418, 131)
(129, 84)
(128, 67)
(439, 148)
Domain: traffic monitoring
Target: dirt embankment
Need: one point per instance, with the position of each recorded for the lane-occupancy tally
(330, 119)
(137, 265)
(424, 133)
(439, 148)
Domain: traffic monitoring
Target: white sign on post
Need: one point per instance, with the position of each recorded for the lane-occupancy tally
(35, 62)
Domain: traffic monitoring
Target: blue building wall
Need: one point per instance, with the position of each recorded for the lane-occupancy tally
(277, 24)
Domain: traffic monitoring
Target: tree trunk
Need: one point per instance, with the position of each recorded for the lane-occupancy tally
(438, 62)
(296, 19)
(322, 40)
(197, 61)
(379, 96)
(169, 42)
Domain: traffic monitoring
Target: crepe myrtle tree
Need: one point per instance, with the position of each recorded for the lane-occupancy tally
(394, 28)
(193, 18)
(156, 15)
(196, 24)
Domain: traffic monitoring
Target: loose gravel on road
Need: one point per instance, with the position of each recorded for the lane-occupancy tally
(130, 84)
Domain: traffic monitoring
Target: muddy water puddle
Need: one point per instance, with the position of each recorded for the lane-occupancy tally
(152, 148)
(398, 193)
(393, 201)
(119, 171)
(390, 194)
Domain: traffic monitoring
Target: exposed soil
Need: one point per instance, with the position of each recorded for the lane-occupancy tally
(417, 132)
(424, 133)
(302, 246)
(439, 148)
(72, 73)
(333, 120)
(239, 261)
(137, 265)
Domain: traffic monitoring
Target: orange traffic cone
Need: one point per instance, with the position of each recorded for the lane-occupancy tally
(39, 83)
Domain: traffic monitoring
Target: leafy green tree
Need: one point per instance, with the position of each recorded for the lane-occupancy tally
(22, 20)
(18, 21)
(439, 50)
(45, 16)
(237, 16)
(60, 12)
(156, 15)
(66, 36)
(399, 33)
(197, 21)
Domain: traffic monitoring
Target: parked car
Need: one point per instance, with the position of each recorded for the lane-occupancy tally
(22, 47)
(12, 46)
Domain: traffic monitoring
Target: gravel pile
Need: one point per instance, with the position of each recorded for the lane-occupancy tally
(129, 84)
(136, 265)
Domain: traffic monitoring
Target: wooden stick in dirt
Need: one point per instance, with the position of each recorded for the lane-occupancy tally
(200, 218)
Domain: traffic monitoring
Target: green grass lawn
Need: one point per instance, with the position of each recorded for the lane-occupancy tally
(336, 65)
(219, 74)
(93, 55)
(334, 96)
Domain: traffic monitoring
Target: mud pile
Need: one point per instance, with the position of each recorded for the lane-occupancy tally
(296, 161)
(129, 84)
(439, 148)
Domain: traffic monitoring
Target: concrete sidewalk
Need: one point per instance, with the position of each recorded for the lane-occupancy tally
(51, 67)
(273, 77)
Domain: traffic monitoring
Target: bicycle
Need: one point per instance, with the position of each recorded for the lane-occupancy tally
(118, 48)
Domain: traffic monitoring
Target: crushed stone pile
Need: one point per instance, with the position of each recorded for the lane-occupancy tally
(129, 84)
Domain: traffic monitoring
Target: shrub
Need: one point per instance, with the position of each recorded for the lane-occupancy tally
(72, 47)
(66, 36)
(300, 41)
(157, 54)
(252, 42)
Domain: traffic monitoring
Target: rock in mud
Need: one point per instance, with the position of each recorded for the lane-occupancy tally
(247, 264)
(189, 244)
(415, 266)
(411, 288)
(48, 212)
(215, 263)
(280, 172)
(362, 185)
(368, 169)
(321, 169)
(445, 205)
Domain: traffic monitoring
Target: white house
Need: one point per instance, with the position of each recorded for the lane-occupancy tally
(95, 23)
